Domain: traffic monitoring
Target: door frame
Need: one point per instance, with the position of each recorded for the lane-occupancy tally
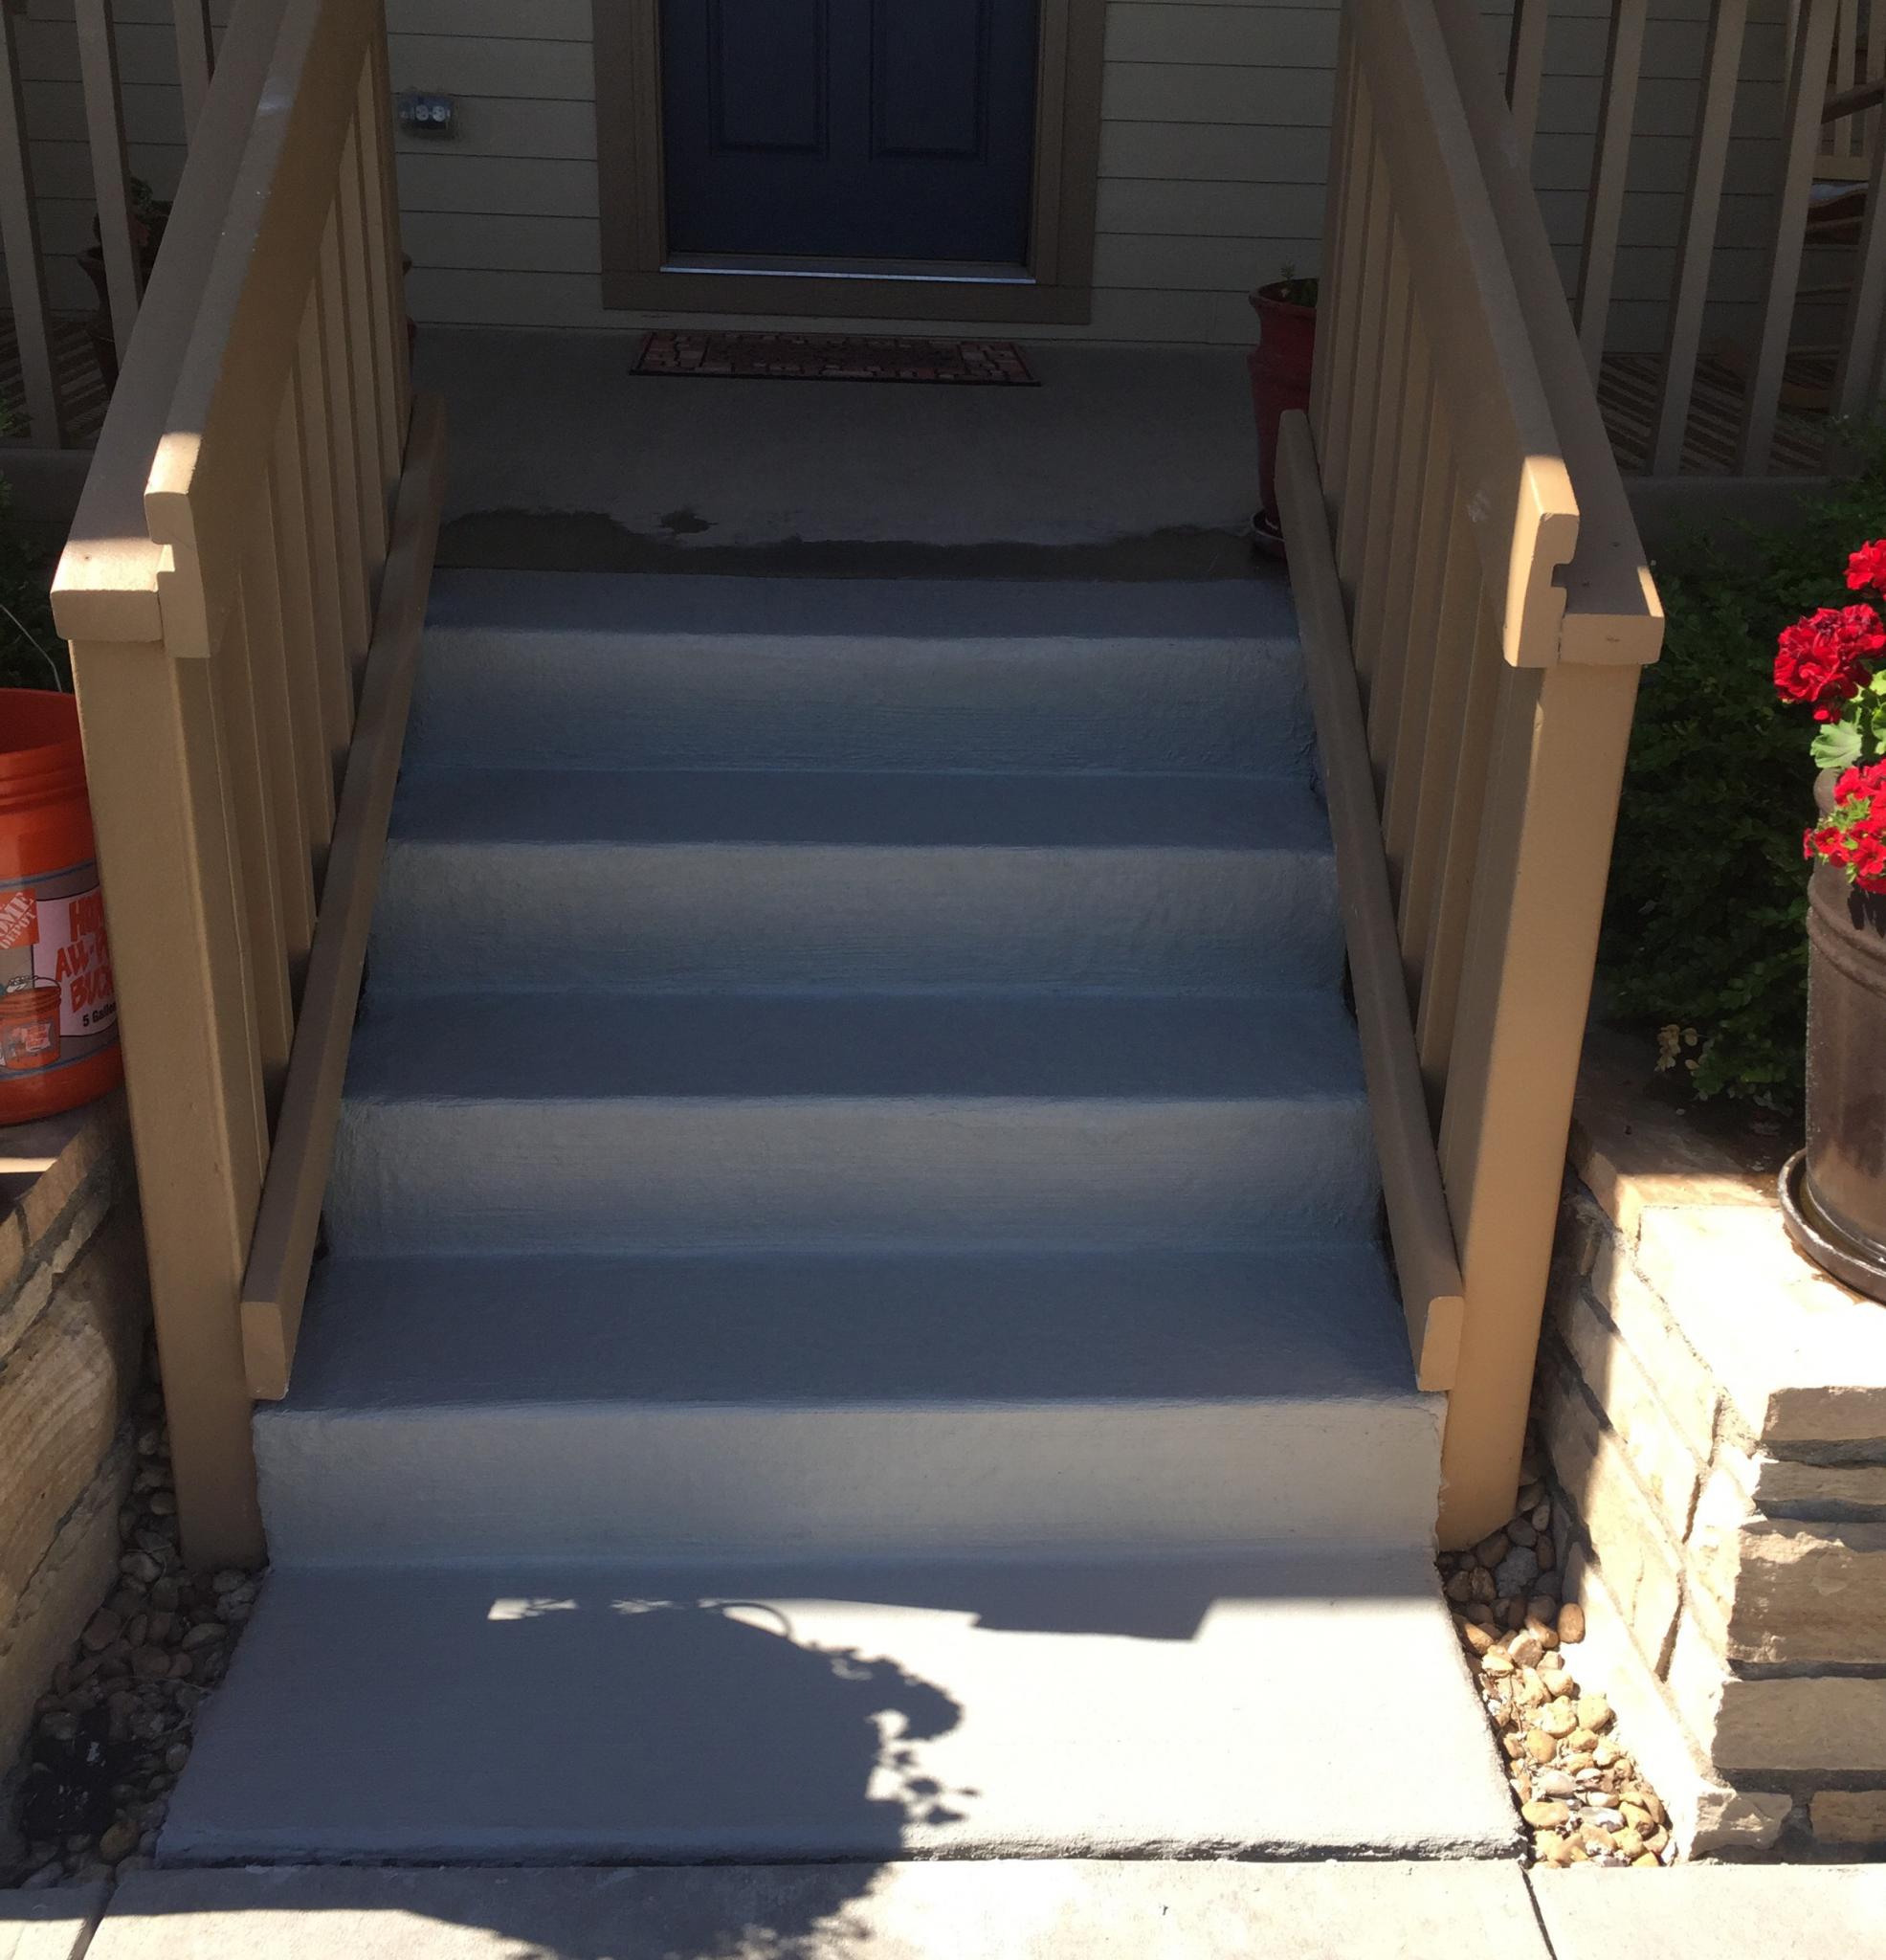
(1053, 288)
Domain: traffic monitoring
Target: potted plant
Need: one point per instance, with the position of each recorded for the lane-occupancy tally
(1279, 367)
(1834, 1192)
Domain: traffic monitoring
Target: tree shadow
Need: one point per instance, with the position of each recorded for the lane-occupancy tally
(697, 1720)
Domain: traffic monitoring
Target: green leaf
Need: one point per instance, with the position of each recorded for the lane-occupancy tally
(1836, 745)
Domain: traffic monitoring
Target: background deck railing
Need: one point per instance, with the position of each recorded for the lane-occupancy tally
(59, 363)
(1798, 339)
(242, 592)
(1475, 611)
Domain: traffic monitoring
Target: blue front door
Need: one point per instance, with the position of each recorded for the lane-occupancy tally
(842, 129)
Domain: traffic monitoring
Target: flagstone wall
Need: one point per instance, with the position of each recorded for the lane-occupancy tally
(1716, 1412)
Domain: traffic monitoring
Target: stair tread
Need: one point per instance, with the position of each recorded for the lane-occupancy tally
(1003, 810)
(810, 1329)
(633, 608)
(1048, 1046)
(693, 1713)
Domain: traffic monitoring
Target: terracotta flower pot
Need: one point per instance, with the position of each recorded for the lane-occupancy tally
(1840, 1194)
(1279, 379)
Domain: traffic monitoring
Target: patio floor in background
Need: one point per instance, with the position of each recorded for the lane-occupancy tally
(1124, 462)
(1627, 396)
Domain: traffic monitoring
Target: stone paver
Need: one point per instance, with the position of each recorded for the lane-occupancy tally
(1073, 1910)
(1717, 1912)
(49, 1926)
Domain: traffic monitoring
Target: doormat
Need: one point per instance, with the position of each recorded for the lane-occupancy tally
(835, 357)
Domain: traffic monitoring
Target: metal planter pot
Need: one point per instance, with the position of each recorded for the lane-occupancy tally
(1834, 1192)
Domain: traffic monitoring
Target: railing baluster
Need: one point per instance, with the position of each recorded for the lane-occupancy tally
(1405, 623)
(1373, 628)
(391, 426)
(1431, 729)
(1332, 300)
(1444, 955)
(311, 625)
(1603, 210)
(332, 535)
(1365, 382)
(1845, 73)
(111, 176)
(1525, 70)
(379, 122)
(1340, 433)
(250, 819)
(1703, 205)
(1807, 92)
(195, 56)
(1856, 383)
(266, 639)
(26, 266)
(1871, 126)
(350, 468)
(357, 313)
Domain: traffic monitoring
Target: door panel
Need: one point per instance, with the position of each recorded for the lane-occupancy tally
(841, 129)
(766, 75)
(929, 77)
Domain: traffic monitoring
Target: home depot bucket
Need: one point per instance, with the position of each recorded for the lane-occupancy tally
(58, 1015)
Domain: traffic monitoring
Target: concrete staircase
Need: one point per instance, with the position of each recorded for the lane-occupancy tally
(852, 1324)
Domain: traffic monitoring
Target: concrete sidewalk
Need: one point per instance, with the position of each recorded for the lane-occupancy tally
(1059, 1910)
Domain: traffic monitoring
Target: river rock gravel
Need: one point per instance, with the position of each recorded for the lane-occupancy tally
(112, 1732)
(1578, 1788)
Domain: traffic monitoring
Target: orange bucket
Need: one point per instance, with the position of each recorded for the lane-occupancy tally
(58, 1013)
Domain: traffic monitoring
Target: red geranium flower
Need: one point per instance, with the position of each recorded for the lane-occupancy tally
(1823, 658)
(1866, 568)
(1854, 837)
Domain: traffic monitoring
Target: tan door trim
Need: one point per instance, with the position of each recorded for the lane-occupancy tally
(1059, 289)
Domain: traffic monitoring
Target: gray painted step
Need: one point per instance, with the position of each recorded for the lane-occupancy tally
(653, 1122)
(613, 1715)
(708, 879)
(670, 672)
(495, 1407)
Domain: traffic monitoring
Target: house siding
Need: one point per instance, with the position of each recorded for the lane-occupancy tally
(1213, 150)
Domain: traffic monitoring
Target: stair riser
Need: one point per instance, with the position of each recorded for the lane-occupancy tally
(604, 701)
(636, 1482)
(645, 1174)
(465, 916)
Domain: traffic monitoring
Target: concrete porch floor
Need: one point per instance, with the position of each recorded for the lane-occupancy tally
(1020, 1911)
(1122, 464)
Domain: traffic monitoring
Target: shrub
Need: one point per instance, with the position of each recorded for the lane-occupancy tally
(1704, 948)
(32, 654)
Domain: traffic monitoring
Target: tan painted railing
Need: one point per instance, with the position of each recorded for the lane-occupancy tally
(242, 592)
(1475, 611)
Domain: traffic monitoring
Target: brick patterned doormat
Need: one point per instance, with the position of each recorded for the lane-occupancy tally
(834, 357)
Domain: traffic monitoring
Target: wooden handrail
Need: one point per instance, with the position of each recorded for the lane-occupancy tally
(243, 622)
(105, 587)
(1476, 609)
(1527, 518)
(1851, 101)
(1613, 616)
